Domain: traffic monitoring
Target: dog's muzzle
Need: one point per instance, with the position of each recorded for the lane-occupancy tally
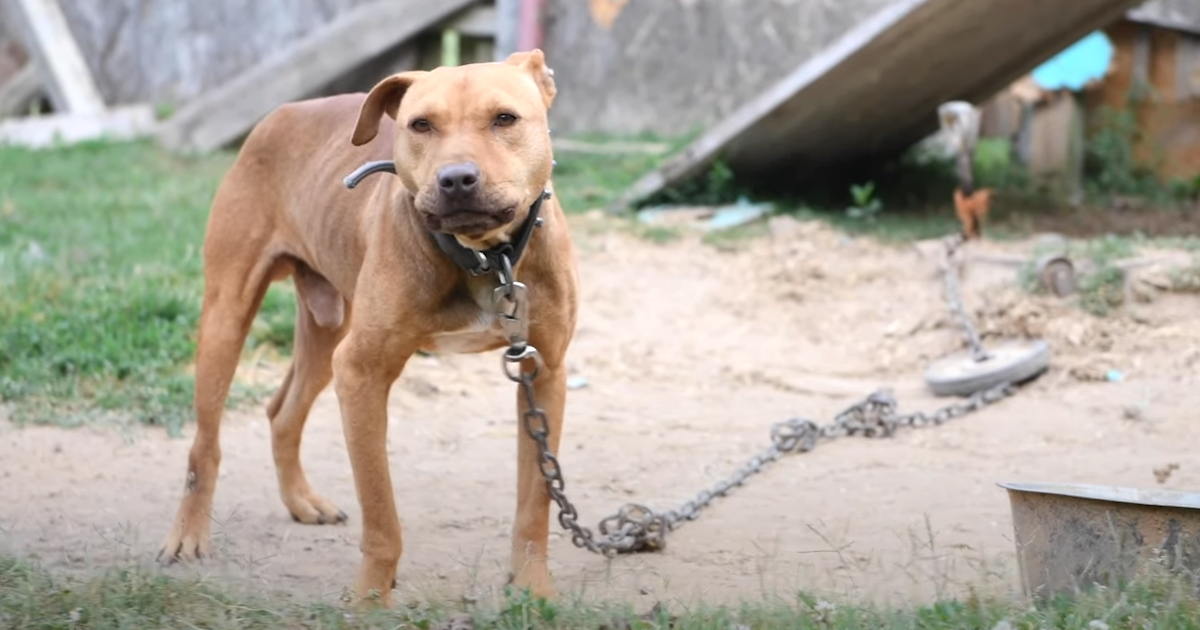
(460, 205)
(474, 262)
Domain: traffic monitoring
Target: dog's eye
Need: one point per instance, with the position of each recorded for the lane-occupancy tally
(504, 120)
(419, 125)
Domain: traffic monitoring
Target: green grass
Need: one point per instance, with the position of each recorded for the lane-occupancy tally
(587, 181)
(128, 597)
(888, 227)
(100, 280)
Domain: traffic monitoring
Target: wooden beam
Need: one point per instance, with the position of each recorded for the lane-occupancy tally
(451, 48)
(18, 92)
(228, 112)
(42, 27)
(118, 123)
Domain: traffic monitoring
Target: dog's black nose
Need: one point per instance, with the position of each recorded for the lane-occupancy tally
(458, 180)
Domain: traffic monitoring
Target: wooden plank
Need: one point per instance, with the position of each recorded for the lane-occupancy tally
(118, 123)
(230, 111)
(18, 93)
(44, 30)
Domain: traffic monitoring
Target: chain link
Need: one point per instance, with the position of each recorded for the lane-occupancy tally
(635, 527)
(954, 297)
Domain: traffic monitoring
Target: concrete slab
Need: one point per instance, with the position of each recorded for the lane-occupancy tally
(40, 132)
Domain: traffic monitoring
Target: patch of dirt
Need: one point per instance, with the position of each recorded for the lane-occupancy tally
(689, 355)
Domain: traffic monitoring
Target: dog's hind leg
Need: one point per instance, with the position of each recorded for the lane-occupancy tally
(236, 277)
(320, 325)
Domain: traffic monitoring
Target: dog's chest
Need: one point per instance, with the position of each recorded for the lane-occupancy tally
(481, 333)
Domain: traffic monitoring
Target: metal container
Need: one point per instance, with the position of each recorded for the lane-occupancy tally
(1070, 537)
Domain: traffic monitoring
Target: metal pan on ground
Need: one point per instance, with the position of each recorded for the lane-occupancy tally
(1010, 361)
(1070, 537)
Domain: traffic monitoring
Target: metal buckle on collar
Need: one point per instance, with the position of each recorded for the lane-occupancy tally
(484, 267)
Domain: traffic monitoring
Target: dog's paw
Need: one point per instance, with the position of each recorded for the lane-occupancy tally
(311, 509)
(183, 546)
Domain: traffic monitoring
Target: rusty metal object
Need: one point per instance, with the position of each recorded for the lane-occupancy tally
(1056, 274)
(1070, 537)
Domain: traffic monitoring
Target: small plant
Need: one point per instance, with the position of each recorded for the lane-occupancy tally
(1186, 279)
(163, 111)
(866, 205)
(1185, 190)
(523, 610)
(1111, 161)
(717, 187)
(1102, 291)
(995, 166)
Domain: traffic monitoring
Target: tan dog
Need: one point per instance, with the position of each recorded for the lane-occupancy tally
(473, 155)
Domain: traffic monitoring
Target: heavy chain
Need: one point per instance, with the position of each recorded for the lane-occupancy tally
(954, 298)
(635, 527)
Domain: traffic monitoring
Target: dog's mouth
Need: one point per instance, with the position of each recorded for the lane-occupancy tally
(469, 221)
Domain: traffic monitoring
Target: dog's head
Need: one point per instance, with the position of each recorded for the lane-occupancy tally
(472, 143)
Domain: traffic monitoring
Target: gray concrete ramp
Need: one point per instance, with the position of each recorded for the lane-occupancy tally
(875, 91)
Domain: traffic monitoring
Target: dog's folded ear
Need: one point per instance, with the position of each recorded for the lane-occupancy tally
(384, 98)
(534, 62)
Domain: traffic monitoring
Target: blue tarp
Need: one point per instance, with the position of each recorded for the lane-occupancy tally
(1085, 60)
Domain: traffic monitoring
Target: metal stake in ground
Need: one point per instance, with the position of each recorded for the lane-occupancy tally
(977, 368)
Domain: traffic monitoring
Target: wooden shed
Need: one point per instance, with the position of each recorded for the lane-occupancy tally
(1153, 75)
(1156, 74)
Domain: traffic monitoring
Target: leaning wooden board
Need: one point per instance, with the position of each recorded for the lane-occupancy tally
(225, 114)
(61, 66)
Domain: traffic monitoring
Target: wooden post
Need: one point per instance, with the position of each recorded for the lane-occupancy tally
(43, 28)
(530, 33)
(451, 47)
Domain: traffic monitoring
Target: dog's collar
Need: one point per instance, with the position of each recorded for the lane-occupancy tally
(472, 261)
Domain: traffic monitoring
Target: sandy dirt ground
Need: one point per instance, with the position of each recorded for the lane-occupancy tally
(689, 354)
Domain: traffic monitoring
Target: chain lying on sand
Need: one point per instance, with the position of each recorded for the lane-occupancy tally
(635, 527)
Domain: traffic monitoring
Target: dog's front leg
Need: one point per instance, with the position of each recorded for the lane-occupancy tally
(532, 522)
(365, 366)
